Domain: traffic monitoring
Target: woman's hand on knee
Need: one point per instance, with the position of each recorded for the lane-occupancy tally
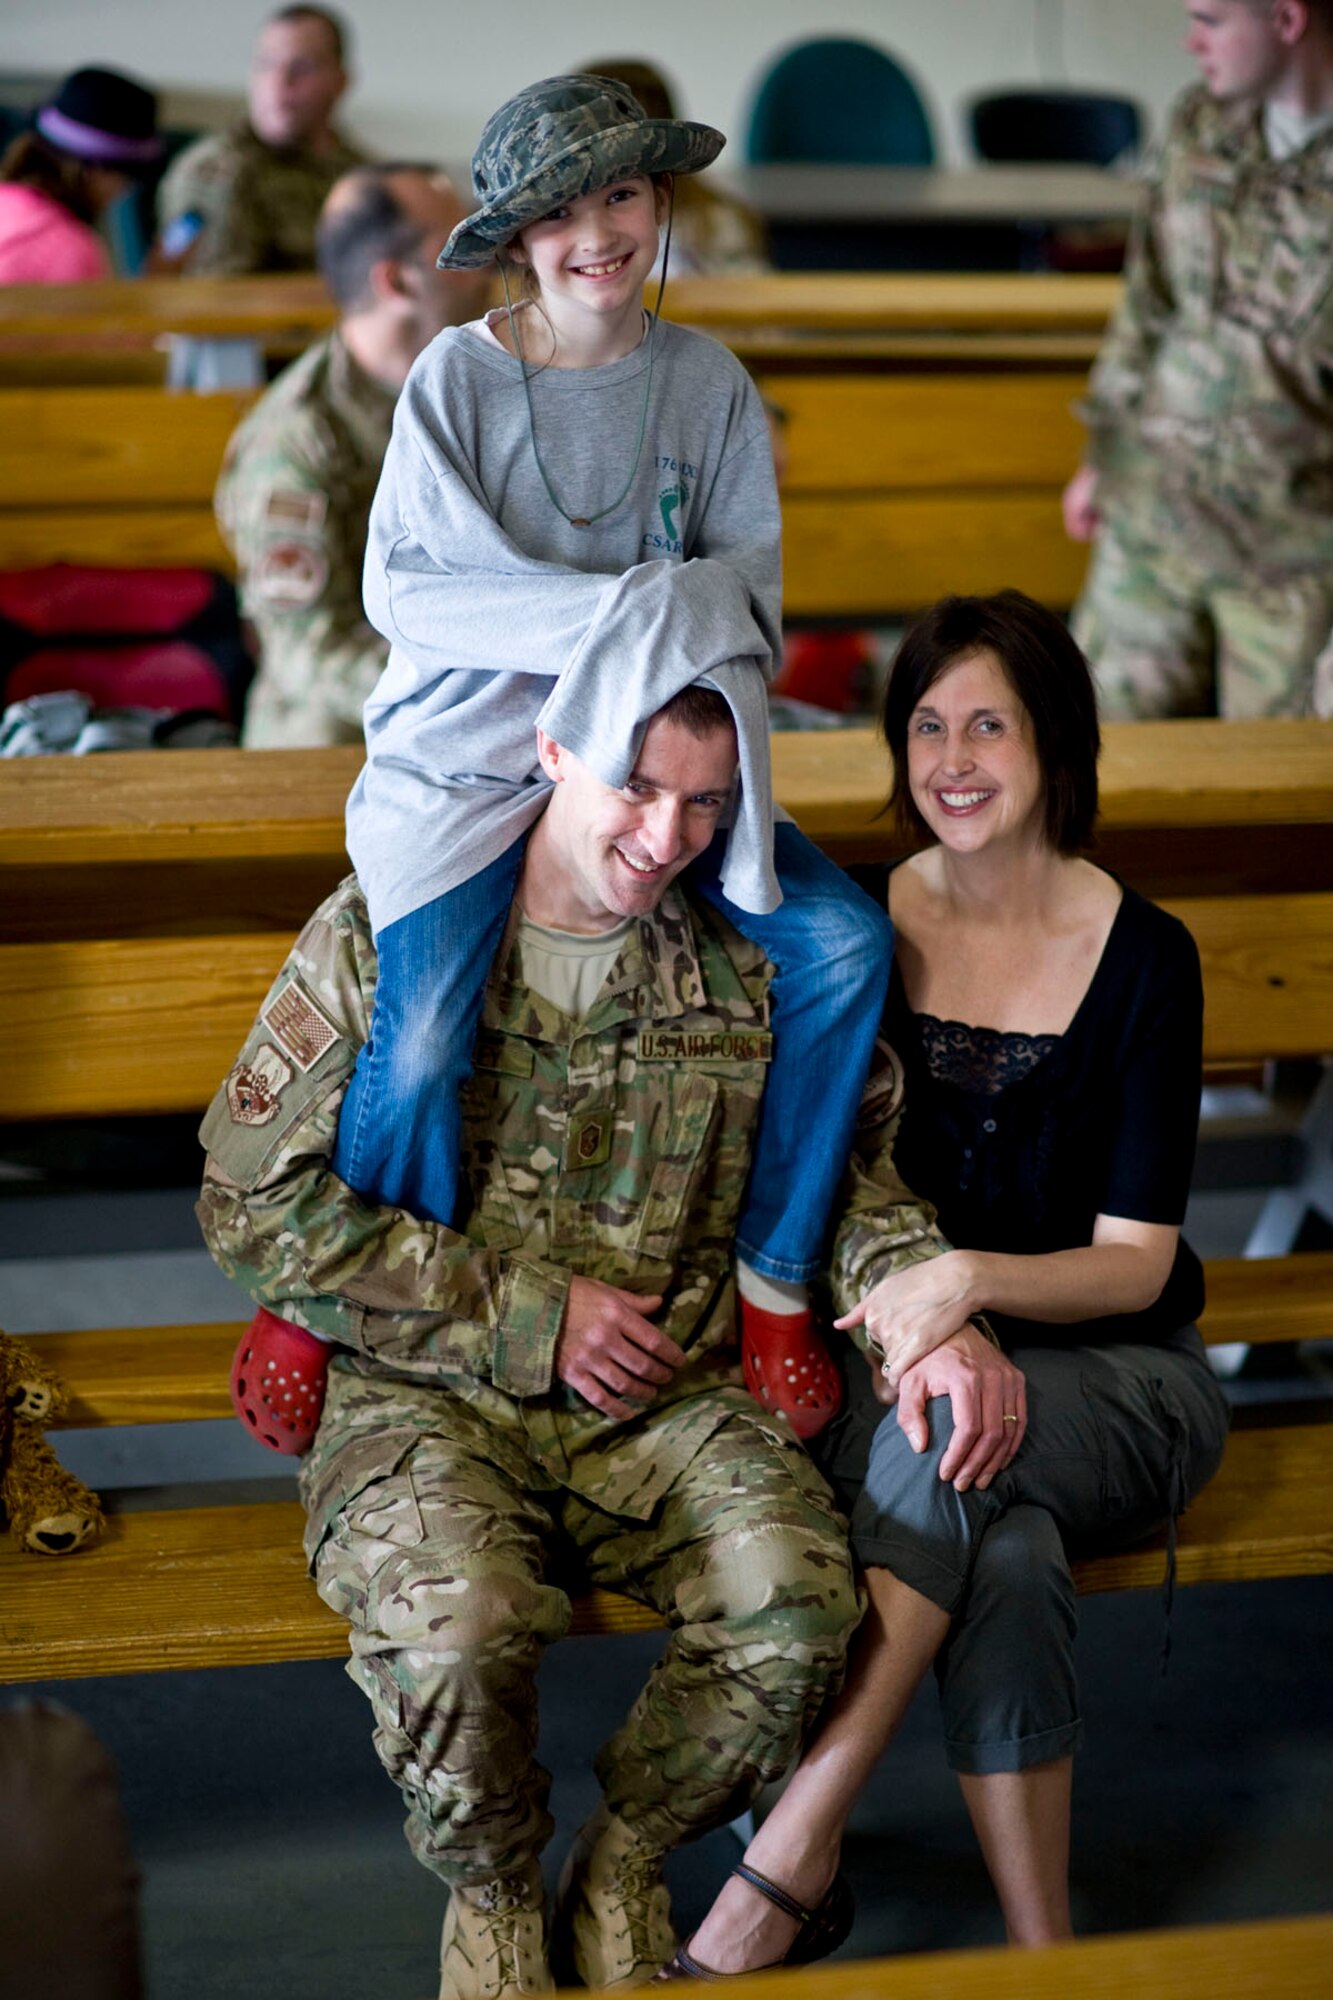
(988, 1400)
(909, 1314)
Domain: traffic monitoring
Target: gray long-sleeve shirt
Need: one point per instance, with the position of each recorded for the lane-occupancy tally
(501, 614)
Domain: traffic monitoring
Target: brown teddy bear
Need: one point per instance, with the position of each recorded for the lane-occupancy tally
(50, 1511)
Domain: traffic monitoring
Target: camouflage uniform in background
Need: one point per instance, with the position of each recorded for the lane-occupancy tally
(258, 204)
(1211, 418)
(293, 503)
(455, 1480)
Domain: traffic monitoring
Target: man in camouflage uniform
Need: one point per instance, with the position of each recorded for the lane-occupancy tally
(1209, 475)
(558, 1383)
(248, 199)
(293, 500)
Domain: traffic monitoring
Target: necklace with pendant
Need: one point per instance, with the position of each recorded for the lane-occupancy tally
(587, 520)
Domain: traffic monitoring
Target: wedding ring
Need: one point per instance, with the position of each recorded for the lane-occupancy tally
(1009, 1417)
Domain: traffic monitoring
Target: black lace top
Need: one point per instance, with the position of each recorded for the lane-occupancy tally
(1021, 1141)
(986, 1060)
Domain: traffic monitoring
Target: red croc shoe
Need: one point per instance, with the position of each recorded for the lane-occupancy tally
(277, 1382)
(787, 1368)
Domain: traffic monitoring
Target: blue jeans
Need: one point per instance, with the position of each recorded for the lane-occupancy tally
(400, 1133)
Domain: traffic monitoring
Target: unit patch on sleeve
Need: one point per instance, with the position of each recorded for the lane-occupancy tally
(301, 1028)
(254, 1088)
(289, 576)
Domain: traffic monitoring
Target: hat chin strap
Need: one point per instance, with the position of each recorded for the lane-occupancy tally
(587, 520)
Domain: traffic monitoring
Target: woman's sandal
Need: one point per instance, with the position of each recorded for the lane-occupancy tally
(822, 1930)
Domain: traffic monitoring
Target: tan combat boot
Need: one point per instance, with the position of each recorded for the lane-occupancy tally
(612, 1911)
(494, 1940)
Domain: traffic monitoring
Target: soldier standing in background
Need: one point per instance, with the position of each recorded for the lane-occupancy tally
(248, 199)
(1208, 484)
(563, 1370)
(293, 500)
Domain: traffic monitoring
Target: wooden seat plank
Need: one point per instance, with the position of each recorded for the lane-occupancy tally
(227, 1585)
(134, 313)
(1267, 973)
(874, 555)
(873, 302)
(111, 1025)
(123, 536)
(173, 1374)
(1261, 1299)
(142, 1375)
(1285, 1958)
(87, 446)
(131, 314)
(880, 433)
(192, 1587)
(138, 806)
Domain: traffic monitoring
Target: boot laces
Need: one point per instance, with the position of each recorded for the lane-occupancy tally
(503, 1904)
(636, 1878)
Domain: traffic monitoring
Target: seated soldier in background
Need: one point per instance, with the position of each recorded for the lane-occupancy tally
(1208, 483)
(248, 199)
(293, 499)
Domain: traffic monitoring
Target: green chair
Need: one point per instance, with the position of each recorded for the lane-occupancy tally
(839, 101)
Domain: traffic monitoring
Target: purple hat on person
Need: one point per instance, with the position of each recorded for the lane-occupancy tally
(105, 118)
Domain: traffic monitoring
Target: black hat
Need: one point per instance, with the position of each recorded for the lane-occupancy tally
(104, 118)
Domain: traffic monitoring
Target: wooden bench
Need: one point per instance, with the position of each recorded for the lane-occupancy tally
(140, 845)
(1281, 1959)
(129, 1002)
(120, 330)
(899, 489)
(929, 426)
(837, 315)
(226, 1584)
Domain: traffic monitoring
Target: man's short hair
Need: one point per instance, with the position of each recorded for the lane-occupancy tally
(363, 226)
(337, 27)
(698, 710)
(1321, 11)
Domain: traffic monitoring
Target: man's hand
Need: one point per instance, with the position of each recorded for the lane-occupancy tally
(609, 1352)
(990, 1407)
(1079, 503)
(908, 1314)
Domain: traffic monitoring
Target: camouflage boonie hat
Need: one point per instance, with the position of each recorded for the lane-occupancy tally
(560, 139)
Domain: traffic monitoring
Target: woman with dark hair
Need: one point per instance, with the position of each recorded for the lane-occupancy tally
(85, 149)
(1042, 1050)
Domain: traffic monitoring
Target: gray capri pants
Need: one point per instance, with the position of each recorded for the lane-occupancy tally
(1119, 1440)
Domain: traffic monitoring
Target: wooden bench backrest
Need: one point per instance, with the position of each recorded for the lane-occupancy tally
(126, 1025)
(901, 487)
(122, 476)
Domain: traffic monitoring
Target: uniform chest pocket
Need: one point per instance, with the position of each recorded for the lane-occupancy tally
(503, 1138)
(1287, 291)
(676, 1141)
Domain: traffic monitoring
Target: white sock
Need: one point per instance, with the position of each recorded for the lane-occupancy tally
(775, 1295)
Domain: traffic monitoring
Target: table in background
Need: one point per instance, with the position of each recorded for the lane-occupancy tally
(849, 218)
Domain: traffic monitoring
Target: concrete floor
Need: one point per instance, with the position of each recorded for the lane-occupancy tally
(270, 1840)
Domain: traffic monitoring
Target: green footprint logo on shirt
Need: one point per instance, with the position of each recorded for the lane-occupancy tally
(674, 496)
